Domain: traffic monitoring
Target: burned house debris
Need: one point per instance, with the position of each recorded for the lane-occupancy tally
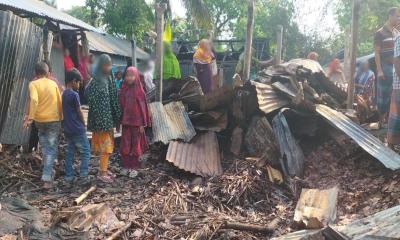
(272, 156)
(257, 174)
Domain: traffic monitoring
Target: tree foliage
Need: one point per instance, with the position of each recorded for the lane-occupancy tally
(373, 14)
(119, 17)
(127, 17)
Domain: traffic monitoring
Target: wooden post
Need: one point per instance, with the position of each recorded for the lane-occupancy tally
(133, 45)
(279, 43)
(353, 52)
(249, 42)
(46, 47)
(160, 9)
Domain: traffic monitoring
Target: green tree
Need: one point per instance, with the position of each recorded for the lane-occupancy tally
(82, 13)
(127, 17)
(373, 14)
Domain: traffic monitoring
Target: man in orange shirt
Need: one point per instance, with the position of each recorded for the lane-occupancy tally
(45, 110)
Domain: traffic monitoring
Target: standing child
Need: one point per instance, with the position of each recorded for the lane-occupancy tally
(135, 117)
(46, 111)
(104, 114)
(74, 127)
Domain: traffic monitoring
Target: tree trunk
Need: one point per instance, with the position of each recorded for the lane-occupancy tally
(249, 41)
(353, 52)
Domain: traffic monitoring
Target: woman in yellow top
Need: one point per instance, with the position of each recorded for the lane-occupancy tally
(45, 110)
(202, 60)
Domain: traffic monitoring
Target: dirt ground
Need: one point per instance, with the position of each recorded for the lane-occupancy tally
(167, 203)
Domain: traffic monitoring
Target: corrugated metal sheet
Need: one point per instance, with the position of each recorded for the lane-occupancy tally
(367, 141)
(316, 208)
(260, 140)
(20, 49)
(43, 10)
(268, 99)
(170, 122)
(382, 225)
(57, 64)
(112, 45)
(292, 157)
(201, 156)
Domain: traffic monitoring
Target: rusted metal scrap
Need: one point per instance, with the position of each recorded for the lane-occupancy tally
(382, 225)
(170, 122)
(363, 138)
(316, 208)
(260, 141)
(291, 157)
(268, 99)
(201, 156)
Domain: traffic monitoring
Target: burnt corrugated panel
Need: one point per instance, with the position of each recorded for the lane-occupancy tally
(292, 157)
(363, 138)
(382, 225)
(170, 122)
(201, 156)
(41, 9)
(268, 99)
(20, 50)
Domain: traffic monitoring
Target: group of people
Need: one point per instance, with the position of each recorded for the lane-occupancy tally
(382, 89)
(109, 109)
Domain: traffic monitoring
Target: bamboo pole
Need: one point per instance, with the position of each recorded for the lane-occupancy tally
(160, 9)
(279, 45)
(249, 41)
(133, 45)
(84, 195)
(353, 52)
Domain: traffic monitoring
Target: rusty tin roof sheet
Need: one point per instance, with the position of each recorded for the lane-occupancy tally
(367, 141)
(382, 225)
(268, 99)
(201, 156)
(106, 43)
(41, 9)
(170, 122)
(20, 49)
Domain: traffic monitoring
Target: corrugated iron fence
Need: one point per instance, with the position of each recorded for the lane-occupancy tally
(20, 49)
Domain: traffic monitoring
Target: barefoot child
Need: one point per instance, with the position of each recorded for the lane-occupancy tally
(104, 114)
(46, 111)
(74, 127)
(135, 117)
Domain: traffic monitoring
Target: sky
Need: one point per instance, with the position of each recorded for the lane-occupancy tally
(309, 18)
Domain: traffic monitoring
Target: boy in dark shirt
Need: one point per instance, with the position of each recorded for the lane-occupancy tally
(74, 127)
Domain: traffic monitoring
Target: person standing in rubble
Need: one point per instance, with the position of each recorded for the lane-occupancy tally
(45, 110)
(74, 127)
(393, 133)
(365, 79)
(135, 118)
(104, 114)
(202, 60)
(384, 50)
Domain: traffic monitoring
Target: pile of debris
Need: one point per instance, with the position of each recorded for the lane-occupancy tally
(274, 157)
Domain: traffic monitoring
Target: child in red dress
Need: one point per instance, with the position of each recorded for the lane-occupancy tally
(135, 118)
